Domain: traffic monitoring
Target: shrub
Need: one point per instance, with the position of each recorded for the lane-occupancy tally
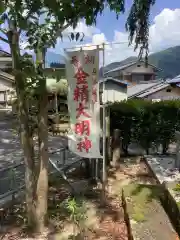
(146, 122)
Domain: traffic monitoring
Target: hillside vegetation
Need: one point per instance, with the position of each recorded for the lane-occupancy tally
(168, 60)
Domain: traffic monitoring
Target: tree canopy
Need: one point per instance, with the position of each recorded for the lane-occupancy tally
(64, 13)
(40, 23)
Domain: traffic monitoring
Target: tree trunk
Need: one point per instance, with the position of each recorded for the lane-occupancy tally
(42, 179)
(25, 133)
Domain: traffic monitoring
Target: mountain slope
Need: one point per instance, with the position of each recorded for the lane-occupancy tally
(168, 60)
(52, 57)
(115, 65)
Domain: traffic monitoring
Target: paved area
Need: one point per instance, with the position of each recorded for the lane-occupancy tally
(11, 154)
(163, 167)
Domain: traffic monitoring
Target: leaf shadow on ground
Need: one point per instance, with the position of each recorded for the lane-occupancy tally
(99, 221)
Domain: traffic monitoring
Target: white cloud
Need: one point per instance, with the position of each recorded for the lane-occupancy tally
(98, 39)
(164, 33)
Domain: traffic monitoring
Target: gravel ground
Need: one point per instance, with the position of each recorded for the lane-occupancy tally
(11, 154)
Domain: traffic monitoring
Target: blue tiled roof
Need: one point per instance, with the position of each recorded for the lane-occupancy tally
(144, 89)
(174, 80)
(114, 80)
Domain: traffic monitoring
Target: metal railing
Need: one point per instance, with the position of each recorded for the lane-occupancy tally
(12, 178)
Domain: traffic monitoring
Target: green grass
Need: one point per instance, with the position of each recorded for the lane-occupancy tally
(139, 200)
(178, 204)
(177, 188)
(139, 216)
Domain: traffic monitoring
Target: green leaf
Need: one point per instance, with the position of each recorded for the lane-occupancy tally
(2, 7)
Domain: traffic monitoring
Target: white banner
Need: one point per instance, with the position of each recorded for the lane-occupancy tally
(82, 71)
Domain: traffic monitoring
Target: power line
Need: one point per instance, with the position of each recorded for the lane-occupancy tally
(95, 45)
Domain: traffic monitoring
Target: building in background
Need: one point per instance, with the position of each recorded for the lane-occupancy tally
(5, 61)
(6, 88)
(155, 91)
(114, 90)
(134, 72)
(55, 72)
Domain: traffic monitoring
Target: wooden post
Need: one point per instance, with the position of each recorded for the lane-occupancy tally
(5, 98)
(64, 156)
(116, 148)
(56, 103)
(108, 148)
(88, 168)
(104, 167)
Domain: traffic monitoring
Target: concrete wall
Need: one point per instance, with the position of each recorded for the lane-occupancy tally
(4, 87)
(5, 62)
(134, 73)
(139, 68)
(114, 92)
(165, 95)
(137, 78)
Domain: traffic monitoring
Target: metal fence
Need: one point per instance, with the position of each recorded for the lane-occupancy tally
(12, 179)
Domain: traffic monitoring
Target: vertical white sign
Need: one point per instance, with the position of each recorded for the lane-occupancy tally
(82, 71)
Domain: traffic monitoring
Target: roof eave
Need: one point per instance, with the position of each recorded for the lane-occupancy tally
(7, 78)
(156, 90)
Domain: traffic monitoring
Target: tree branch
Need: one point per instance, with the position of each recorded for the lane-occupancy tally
(66, 26)
(61, 29)
(4, 40)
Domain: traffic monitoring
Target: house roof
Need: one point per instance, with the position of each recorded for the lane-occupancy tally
(4, 53)
(153, 90)
(174, 80)
(6, 76)
(128, 65)
(121, 67)
(139, 88)
(114, 80)
(145, 89)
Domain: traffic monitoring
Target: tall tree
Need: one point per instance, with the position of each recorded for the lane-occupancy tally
(22, 18)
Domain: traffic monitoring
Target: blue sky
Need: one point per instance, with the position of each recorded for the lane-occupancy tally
(164, 31)
(107, 23)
